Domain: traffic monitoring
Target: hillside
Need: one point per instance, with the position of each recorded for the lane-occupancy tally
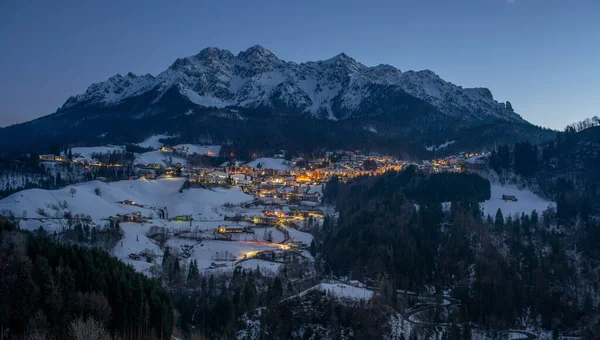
(56, 290)
(516, 268)
(258, 98)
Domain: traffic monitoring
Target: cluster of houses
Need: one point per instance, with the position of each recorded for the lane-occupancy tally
(135, 217)
(457, 163)
(53, 158)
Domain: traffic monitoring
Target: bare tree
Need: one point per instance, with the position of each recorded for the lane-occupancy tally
(94, 305)
(88, 329)
(72, 191)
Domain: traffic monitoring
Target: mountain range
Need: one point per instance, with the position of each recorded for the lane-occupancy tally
(254, 96)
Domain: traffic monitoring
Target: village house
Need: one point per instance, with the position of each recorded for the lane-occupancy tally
(132, 218)
(236, 218)
(306, 212)
(265, 220)
(128, 202)
(182, 218)
(135, 257)
(356, 283)
(149, 175)
(217, 265)
(233, 230)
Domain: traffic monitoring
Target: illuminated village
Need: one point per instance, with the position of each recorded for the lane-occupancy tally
(269, 209)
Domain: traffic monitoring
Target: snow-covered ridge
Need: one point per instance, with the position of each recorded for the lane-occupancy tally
(333, 88)
(112, 91)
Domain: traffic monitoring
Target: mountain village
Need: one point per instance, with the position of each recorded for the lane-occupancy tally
(265, 213)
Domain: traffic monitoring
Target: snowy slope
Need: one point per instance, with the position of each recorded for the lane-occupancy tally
(335, 88)
(158, 157)
(527, 201)
(270, 163)
(87, 152)
(265, 267)
(161, 193)
(300, 236)
(153, 142)
(341, 290)
(346, 291)
(208, 150)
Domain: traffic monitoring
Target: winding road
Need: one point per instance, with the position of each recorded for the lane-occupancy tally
(448, 302)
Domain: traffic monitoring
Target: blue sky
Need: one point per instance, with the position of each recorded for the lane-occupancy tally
(542, 55)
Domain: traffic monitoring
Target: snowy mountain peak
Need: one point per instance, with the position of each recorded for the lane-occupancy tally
(335, 88)
(257, 52)
(213, 54)
(342, 60)
(257, 60)
(111, 91)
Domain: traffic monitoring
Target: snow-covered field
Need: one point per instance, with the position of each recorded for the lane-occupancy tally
(341, 290)
(265, 267)
(208, 150)
(86, 152)
(163, 193)
(346, 291)
(270, 163)
(158, 157)
(153, 142)
(527, 201)
(300, 236)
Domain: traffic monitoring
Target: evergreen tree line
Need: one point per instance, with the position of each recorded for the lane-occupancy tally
(51, 290)
(566, 170)
(498, 266)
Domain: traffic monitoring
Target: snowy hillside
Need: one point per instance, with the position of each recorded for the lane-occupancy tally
(85, 153)
(335, 88)
(158, 157)
(526, 201)
(208, 150)
(270, 163)
(341, 290)
(153, 141)
(158, 193)
(158, 201)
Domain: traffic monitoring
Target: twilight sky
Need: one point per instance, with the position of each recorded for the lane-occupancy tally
(542, 55)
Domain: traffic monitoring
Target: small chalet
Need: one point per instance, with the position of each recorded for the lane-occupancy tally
(509, 198)
(182, 218)
(231, 230)
(217, 265)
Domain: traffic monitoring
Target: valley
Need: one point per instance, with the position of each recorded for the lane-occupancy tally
(299, 193)
(266, 216)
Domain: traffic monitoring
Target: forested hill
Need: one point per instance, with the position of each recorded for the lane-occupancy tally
(526, 271)
(51, 290)
(566, 170)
